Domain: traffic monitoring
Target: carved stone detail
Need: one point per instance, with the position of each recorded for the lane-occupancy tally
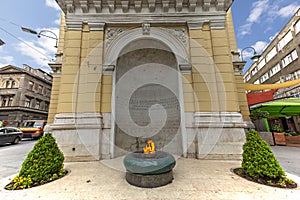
(138, 5)
(192, 6)
(111, 5)
(98, 6)
(179, 33)
(179, 5)
(111, 33)
(146, 28)
(84, 6)
(125, 5)
(206, 5)
(165, 5)
(151, 5)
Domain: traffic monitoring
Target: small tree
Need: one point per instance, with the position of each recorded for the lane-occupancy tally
(259, 160)
(257, 115)
(44, 163)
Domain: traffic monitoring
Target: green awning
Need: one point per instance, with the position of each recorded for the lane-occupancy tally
(280, 108)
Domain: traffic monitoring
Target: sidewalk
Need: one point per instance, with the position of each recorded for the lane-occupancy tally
(193, 179)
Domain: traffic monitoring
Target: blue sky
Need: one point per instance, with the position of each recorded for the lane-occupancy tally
(256, 23)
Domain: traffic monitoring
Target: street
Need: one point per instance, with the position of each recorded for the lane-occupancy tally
(289, 158)
(12, 157)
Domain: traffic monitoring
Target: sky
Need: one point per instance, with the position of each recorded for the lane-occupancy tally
(256, 23)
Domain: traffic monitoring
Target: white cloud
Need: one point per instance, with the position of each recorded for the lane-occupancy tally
(272, 37)
(6, 60)
(288, 11)
(52, 4)
(40, 51)
(259, 7)
(248, 52)
(259, 46)
(57, 21)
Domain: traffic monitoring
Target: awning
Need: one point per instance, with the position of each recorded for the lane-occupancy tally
(280, 108)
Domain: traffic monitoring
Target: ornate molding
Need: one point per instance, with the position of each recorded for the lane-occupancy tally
(130, 35)
(108, 69)
(111, 33)
(146, 28)
(185, 68)
(180, 34)
(150, 6)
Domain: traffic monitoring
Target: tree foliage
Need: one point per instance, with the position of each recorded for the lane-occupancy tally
(259, 160)
(44, 163)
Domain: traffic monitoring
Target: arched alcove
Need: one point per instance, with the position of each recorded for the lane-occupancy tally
(147, 103)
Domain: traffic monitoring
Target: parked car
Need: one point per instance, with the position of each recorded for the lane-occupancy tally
(33, 128)
(10, 135)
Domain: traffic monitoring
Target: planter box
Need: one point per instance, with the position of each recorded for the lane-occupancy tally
(279, 138)
(293, 141)
(268, 137)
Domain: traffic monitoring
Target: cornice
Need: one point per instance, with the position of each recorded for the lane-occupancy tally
(136, 6)
(193, 20)
(115, 12)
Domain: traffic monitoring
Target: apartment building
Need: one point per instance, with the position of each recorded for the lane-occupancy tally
(24, 94)
(279, 61)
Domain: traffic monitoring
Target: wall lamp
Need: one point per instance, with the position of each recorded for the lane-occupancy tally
(255, 56)
(41, 33)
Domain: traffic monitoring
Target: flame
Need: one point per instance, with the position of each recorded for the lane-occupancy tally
(150, 147)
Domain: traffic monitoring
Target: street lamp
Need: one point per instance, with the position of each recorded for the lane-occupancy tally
(255, 56)
(28, 30)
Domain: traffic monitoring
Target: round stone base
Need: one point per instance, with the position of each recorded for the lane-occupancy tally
(149, 181)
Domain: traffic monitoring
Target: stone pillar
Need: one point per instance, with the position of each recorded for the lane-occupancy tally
(78, 123)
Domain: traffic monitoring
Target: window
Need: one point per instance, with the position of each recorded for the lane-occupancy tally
(254, 71)
(13, 84)
(8, 84)
(48, 92)
(30, 86)
(37, 104)
(271, 54)
(248, 77)
(289, 58)
(27, 102)
(40, 89)
(35, 87)
(297, 27)
(275, 70)
(3, 101)
(285, 40)
(256, 82)
(10, 101)
(46, 106)
(261, 64)
(264, 77)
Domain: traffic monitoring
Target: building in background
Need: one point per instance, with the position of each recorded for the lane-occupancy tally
(279, 65)
(24, 94)
(279, 62)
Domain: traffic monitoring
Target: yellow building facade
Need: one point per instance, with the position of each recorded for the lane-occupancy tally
(129, 71)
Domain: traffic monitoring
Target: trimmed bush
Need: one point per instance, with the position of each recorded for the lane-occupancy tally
(259, 160)
(44, 163)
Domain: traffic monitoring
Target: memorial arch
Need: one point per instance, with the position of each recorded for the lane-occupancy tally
(127, 71)
(148, 58)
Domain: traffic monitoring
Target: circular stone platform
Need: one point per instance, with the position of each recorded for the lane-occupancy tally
(149, 170)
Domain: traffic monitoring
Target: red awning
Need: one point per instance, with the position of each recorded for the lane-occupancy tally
(260, 97)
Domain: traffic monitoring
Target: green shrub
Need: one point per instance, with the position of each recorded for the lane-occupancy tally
(44, 163)
(259, 160)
